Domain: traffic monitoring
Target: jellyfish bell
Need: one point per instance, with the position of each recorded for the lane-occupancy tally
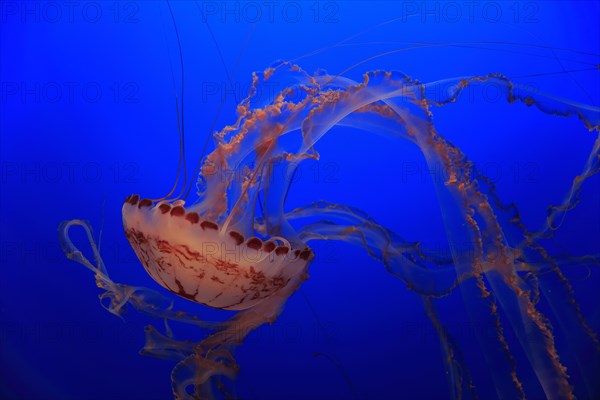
(195, 259)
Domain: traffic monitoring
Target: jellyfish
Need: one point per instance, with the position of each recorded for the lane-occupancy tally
(238, 246)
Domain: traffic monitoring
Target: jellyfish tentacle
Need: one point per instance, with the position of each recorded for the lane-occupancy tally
(416, 115)
(574, 318)
(143, 300)
(207, 363)
(546, 270)
(408, 263)
(461, 201)
(459, 376)
(407, 99)
(423, 271)
(198, 363)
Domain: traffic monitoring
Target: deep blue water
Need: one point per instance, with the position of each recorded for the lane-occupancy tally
(88, 117)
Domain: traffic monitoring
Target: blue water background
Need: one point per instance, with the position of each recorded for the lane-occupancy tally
(88, 117)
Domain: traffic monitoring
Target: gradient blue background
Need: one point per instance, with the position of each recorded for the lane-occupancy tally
(75, 154)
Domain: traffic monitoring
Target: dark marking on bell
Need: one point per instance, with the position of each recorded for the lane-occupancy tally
(254, 243)
(145, 203)
(305, 254)
(280, 250)
(238, 237)
(269, 246)
(193, 217)
(177, 211)
(209, 225)
(164, 208)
